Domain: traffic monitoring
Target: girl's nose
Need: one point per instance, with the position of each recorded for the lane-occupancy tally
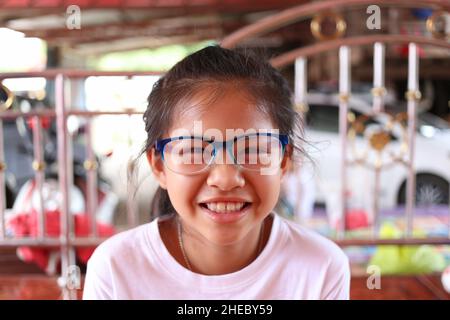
(226, 177)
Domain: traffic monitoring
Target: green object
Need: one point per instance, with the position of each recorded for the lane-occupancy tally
(395, 259)
(156, 59)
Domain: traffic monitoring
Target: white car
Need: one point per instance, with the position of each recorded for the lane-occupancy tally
(432, 158)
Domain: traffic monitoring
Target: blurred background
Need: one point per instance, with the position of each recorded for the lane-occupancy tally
(112, 52)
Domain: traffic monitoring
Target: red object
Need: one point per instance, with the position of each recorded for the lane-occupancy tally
(26, 225)
(45, 122)
(404, 50)
(355, 219)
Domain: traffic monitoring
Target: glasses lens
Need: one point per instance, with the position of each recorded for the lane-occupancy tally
(188, 155)
(256, 152)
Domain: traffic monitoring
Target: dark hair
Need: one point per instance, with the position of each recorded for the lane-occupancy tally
(213, 67)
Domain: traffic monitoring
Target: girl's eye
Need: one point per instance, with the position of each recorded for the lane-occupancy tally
(192, 151)
(250, 150)
(255, 150)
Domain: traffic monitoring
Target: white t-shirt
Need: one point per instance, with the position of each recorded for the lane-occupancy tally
(296, 263)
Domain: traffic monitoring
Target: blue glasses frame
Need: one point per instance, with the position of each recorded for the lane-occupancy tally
(217, 145)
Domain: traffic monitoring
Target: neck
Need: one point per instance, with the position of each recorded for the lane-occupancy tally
(203, 257)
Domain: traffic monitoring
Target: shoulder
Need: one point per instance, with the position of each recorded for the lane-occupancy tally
(325, 264)
(303, 242)
(124, 245)
(117, 263)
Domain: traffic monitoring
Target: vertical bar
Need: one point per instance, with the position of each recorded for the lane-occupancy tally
(413, 68)
(301, 82)
(378, 93)
(131, 209)
(70, 183)
(2, 184)
(91, 165)
(344, 92)
(378, 77)
(376, 214)
(63, 175)
(344, 70)
(69, 151)
(412, 96)
(39, 167)
(300, 99)
(131, 189)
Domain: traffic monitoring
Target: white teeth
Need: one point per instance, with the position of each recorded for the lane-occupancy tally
(225, 207)
(212, 206)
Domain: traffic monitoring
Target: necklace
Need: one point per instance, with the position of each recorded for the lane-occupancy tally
(183, 251)
(181, 244)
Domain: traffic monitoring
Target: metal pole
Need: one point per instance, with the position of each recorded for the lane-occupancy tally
(91, 167)
(301, 102)
(50, 242)
(9, 114)
(65, 234)
(378, 93)
(344, 93)
(412, 96)
(378, 90)
(301, 83)
(2, 184)
(39, 167)
(131, 189)
(376, 212)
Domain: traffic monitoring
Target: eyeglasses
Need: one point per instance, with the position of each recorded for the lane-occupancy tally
(192, 154)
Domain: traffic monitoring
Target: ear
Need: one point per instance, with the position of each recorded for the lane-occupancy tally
(157, 166)
(286, 163)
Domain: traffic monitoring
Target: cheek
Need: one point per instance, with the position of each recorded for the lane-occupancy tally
(267, 189)
(183, 190)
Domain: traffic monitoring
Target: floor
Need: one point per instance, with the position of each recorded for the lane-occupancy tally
(19, 280)
(404, 288)
(427, 287)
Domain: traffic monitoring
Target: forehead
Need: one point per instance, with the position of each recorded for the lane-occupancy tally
(222, 109)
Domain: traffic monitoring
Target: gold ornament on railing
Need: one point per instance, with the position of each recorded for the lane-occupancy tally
(359, 124)
(301, 107)
(90, 165)
(344, 97)
(413, 95)
(377, 140)
(38, 165)
(432, 23)
(401, 118)
(6, 98)
(378, 91)
(316, 26)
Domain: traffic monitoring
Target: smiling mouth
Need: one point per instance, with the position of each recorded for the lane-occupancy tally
(225, 207)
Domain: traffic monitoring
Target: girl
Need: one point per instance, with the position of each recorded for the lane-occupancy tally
(222, 133)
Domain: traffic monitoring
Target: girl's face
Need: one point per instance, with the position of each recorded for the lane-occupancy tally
(194, 195)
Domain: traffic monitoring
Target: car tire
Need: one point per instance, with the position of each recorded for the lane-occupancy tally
(430, 190)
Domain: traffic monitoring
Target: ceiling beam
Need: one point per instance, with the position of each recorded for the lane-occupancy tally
(211, 31)
(223, 5)
(98, 48)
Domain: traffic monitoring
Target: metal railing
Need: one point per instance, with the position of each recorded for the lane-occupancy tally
(67, 240)
(317, 12)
